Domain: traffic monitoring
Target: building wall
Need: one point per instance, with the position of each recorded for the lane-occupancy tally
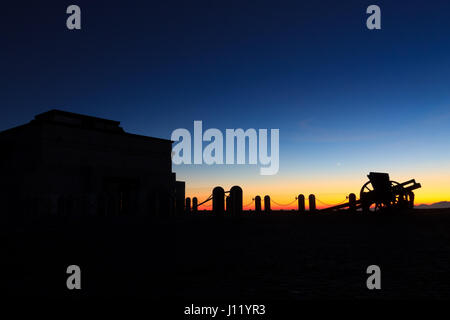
(54, 168)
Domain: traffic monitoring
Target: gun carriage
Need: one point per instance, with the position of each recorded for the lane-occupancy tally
(382, 194)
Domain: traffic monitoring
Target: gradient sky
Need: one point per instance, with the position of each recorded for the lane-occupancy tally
(347, 100)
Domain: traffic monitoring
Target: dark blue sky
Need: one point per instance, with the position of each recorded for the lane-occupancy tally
(310, 68)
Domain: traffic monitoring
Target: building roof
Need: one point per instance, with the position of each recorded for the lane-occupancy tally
(55, 115)
(71, 119)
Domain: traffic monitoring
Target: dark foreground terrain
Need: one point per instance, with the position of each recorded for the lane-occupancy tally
(278, 257)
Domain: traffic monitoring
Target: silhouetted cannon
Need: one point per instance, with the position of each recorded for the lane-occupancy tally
(381, 194)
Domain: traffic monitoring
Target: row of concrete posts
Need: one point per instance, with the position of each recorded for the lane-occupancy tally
(234, 205)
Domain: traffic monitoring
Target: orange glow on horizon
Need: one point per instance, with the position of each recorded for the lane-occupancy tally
(435, 188)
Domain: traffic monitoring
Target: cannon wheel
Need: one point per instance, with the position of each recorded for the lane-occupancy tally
(400, 200)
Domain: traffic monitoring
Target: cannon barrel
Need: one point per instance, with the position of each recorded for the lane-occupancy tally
(408, 185)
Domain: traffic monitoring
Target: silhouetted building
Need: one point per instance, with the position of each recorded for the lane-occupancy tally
(70, 164)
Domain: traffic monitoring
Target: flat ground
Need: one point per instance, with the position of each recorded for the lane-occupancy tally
(274, 257)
